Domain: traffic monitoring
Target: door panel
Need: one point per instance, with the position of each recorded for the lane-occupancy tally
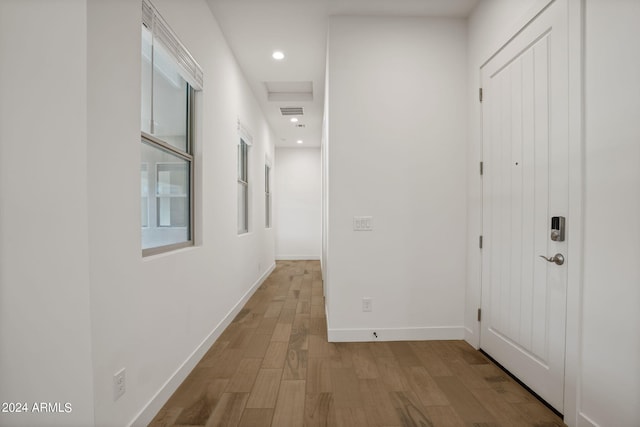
(525, 183)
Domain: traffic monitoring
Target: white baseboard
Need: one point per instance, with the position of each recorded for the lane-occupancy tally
(397, 334)
(585, 421)
(471, 338)
(297, 257)
(150, 410)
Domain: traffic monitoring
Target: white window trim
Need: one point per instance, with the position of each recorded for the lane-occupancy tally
(245, 134)
(189, 67)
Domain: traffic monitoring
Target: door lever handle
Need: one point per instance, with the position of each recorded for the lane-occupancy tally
(557, 259)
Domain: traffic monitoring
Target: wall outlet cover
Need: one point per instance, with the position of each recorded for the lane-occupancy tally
(119, 384)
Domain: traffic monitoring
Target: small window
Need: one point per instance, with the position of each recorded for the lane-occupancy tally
(243, 187)
(267, 196)
(169, 74)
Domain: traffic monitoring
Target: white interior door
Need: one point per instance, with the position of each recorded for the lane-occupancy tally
(525, 183)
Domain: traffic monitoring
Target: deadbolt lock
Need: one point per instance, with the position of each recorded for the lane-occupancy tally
(557, 228)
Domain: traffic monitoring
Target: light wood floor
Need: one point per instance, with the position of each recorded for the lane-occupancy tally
(274, 367)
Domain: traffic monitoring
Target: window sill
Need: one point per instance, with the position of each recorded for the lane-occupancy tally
(167, 250)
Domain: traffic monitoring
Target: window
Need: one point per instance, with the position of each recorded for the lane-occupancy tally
(243, 187)
(170, 78)
(267, 196)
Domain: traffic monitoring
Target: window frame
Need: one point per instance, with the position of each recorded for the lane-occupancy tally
(192, 73)
(189, 158)
(243, 180)
(267, 196)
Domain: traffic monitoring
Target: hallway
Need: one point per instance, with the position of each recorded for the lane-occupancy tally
(274, 367)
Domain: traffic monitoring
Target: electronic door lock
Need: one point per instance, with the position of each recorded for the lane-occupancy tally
(557, 228)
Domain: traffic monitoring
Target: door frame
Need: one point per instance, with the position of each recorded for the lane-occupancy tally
(575, 216)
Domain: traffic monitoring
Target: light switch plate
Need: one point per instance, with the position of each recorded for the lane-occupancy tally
(362, 223)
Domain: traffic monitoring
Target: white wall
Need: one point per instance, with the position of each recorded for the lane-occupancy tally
(397, 152)
(45, 343)
(157, 315)
(78, 301)
(610, 368)
(297, 203)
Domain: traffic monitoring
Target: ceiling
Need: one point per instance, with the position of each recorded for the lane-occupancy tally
(298, 28)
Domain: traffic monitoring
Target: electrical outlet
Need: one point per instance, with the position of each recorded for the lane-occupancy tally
(119, 384)
(367, 304)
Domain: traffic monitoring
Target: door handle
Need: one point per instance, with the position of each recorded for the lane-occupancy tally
(557, 259)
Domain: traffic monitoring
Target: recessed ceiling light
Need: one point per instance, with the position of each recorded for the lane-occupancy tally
(299, 141)
(294, 120)
(278, 55)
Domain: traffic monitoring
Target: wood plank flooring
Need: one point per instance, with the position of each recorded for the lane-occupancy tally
(274, 367)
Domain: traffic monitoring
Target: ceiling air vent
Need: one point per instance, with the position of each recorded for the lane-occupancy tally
(292, 111)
